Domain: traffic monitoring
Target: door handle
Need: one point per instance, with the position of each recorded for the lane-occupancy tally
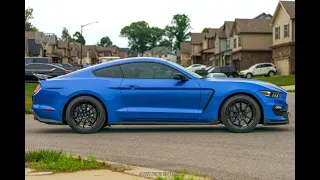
(132, 87)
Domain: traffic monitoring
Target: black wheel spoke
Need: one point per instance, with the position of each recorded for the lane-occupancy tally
(84, 112)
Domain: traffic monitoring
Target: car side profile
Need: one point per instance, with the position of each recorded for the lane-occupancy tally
(148, 91)
(51, 70)
(195, 67)
(261, 69)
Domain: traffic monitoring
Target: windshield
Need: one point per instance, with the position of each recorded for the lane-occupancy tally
(211, 70)
(253, 66)
(208, 68)
(195, 75)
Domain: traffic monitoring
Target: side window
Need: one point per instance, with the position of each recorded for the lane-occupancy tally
(28, 60)
(258, 66)
(224, 69)
(109, 72)
(147, 71)
(45, 67)
(217, 70)
(40, 60)
(267, 65)
(31, 66)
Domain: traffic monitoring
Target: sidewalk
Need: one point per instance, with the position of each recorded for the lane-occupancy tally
(137, 173)
(292, 87)
(84, 175)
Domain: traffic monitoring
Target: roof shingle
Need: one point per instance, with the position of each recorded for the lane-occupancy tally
(197, 38)
(185, 47)
(252, 26)
(289, 6)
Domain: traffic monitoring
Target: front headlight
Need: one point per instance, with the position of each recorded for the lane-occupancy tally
(271, 94)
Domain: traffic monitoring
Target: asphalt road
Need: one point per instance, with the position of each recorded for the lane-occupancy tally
(266, 153)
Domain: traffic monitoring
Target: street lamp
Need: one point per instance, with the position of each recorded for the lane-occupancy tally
(81, 43)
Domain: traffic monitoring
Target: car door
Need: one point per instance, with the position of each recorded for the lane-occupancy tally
(257, 70)
(152, 95)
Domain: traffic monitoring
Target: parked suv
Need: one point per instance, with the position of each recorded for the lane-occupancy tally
(37, 60)
(229, 71)
(195, 67)
(261, 69)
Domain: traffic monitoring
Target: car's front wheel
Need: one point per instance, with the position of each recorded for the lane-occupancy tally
(85, 115)
(240, 113)
(249, 75)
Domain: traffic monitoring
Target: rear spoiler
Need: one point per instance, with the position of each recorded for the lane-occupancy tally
(41, 76)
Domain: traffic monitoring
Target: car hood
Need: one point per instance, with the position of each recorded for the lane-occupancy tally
(251, 81)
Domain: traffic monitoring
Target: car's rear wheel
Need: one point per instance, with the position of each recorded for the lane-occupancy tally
(240, 113)
(249, 75)
(85, 115)
(271, 73)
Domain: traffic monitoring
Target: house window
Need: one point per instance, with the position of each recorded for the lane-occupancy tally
(235, 43)
(239, 41)
(277, 32)
(286, 30)
(228, 43)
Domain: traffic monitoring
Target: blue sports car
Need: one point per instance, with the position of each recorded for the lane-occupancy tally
(151, 91)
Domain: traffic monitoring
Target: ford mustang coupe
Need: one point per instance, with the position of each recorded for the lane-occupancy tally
(151, 91)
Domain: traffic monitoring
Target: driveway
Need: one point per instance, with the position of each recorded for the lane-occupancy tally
(266, 153)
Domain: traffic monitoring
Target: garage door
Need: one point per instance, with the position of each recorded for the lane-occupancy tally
(282, 66)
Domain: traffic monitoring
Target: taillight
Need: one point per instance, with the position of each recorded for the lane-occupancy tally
(37, 89)
(67, 72)
(275, 67)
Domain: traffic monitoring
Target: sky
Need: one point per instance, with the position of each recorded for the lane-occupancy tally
(51, 16)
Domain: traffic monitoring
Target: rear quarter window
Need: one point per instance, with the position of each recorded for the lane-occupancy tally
(109, 72)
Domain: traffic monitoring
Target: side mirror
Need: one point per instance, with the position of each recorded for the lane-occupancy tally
(179, 76)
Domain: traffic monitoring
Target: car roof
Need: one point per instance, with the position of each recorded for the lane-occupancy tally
(50, 64)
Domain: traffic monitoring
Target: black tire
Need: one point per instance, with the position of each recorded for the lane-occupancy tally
(95, 105)
(271, 73)
(249, 75)
(243, 124)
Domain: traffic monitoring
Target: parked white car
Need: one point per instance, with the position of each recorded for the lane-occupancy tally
(195, 67)
(261, 69)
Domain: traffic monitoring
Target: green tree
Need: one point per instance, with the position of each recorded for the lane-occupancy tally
(178, 31)
(28, 15)
(156, 35)
(105, 42)
(166, 43)
(77, 36)
(205, 30)
(141, 37)
(65, 34)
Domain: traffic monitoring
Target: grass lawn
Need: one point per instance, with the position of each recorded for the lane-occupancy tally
(58, 161)
(278, 80)
(29, 88)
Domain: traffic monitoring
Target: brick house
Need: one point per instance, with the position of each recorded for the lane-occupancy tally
(283, 40)
(208, 47)
(196, 47)
(251, 39)
(185, 53)
(124, 52)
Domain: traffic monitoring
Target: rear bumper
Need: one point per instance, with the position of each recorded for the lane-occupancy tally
(43, 120)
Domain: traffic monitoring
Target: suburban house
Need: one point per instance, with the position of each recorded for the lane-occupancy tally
(208, 47)
(124, 52)
(283, 40)
(161, 52)
(115, 51)
(32, 49)
(185, 53)
(196, 47)
(133, 53)
(251, 41)
(263, 16)
(225, 45)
